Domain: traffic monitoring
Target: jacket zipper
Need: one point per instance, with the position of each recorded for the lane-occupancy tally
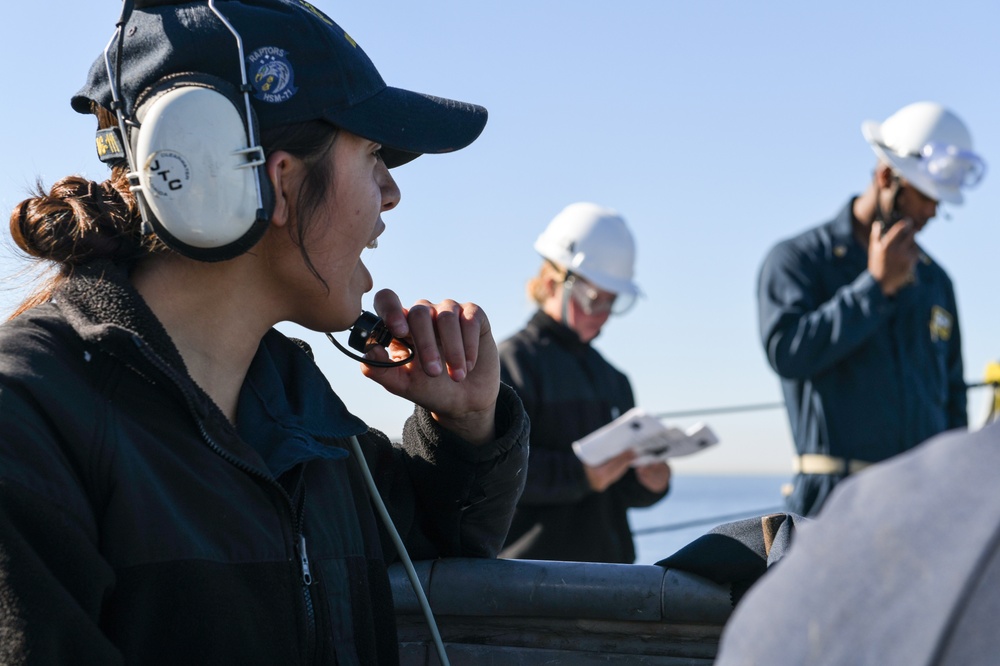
(304, 558)
(297, 514)
(306, 573)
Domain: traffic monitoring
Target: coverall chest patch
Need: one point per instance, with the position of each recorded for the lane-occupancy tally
(940, 324)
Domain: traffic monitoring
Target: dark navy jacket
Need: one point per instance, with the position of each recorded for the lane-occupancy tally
(568, 390)
(139, 526)
(864, 376)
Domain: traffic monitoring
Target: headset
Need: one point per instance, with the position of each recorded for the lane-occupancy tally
(195, 163)
(196, 168)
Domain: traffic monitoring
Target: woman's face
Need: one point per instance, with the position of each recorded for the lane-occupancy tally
(587, 325)
(347, 221)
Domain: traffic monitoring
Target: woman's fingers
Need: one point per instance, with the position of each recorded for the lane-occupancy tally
(421, 319)
(389, 308)
(447, 335)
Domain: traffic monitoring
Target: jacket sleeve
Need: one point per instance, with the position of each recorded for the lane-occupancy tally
(957, 409)
(447, 497)
(52, 576)
(634, 494)
(802, 334)
(554, 477)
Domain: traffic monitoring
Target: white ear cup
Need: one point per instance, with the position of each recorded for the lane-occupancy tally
(195, 173)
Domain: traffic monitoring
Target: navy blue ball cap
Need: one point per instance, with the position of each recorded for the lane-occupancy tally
(300, 66)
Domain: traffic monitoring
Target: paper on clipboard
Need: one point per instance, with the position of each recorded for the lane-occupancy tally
(647, 435)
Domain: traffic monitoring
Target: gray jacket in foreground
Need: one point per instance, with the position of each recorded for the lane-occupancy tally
(902, 567)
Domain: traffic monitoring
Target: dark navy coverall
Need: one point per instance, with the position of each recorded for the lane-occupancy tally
(864, 376)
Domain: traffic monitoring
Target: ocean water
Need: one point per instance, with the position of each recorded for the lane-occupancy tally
(695, 505)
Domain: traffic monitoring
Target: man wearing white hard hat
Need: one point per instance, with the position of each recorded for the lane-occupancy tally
(570, 510)
(859, 322)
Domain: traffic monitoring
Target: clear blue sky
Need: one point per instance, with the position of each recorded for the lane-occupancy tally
(715, 127)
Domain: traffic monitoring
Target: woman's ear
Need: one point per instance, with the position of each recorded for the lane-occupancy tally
(552, 285)
(553, 278)
(281, 168)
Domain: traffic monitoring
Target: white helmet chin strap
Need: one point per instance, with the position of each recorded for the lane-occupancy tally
(565, 300)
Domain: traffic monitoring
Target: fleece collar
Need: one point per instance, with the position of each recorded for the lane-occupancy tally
(99, 302)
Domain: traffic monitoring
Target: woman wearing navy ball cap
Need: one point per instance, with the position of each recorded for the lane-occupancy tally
(177, 482)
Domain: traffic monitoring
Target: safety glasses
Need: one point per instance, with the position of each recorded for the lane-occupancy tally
(951, 166)
(594, 301)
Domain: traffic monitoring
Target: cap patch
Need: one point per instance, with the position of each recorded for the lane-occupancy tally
(271, 74)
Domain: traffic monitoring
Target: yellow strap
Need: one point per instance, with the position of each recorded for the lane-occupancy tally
(817, 463)
(993, 378)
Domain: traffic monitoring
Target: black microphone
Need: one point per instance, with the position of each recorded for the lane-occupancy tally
(367, 331)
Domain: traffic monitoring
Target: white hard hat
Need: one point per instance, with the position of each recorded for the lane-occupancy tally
(593, 242)
(930, 147)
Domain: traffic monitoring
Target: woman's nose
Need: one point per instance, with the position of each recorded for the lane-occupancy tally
(390, 191)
